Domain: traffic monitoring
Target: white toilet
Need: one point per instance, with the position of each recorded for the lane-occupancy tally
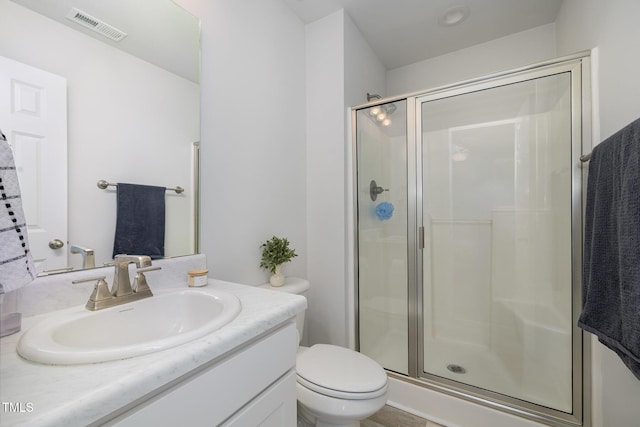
(336, 386)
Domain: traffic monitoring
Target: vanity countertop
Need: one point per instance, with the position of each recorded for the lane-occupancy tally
(46, 395)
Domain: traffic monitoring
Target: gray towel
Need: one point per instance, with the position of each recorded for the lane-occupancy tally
(611, 268)
(16, 262)
(140, 221)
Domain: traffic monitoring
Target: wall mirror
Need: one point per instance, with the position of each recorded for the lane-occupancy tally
(132, 115)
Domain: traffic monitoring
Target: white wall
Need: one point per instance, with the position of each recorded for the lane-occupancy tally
(122, 127)
(516, 50)
(611, 27)
(326, 118)
(253, 135)
(274, 125)
(363, 73)
(340, 69)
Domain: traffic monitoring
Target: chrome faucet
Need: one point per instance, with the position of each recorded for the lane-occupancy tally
(122, 291)
(88, 256)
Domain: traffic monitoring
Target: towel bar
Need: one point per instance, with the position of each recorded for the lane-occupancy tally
(104, 184)
(585, 157)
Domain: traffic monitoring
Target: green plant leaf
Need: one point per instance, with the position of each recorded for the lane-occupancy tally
(276, 251)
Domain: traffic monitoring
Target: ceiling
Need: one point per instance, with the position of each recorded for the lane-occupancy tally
(402, 32)
(158, 31)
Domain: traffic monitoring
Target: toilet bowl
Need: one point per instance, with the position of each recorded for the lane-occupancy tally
(336, 386)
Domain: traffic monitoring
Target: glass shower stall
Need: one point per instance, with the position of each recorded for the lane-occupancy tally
(468, 202)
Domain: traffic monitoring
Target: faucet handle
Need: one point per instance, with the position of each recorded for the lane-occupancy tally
(140, 284)
(145, 269)
(100, 292)
(90, 279)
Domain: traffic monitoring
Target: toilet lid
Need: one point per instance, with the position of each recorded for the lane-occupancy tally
(340, 370)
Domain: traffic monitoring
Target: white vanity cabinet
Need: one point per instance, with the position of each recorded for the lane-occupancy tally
(254, 385)
(240, 375)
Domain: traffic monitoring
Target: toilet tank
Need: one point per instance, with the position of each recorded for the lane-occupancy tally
(298, 286)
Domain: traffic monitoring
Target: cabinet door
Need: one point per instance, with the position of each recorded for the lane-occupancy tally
(226, 389)
(275, 407)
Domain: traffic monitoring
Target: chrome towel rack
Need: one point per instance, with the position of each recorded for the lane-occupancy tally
(585, 157)
(102, 184)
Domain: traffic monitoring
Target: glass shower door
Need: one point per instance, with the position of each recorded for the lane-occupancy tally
(382, 234)
(496, 212)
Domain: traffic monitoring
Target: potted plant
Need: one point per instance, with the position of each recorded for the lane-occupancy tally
(276, 252)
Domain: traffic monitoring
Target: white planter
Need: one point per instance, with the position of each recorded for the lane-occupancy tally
(277, 278)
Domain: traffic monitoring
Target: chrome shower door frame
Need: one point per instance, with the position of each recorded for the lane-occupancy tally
(578, 67)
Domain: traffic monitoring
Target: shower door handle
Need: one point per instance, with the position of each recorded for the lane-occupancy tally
(420, 237)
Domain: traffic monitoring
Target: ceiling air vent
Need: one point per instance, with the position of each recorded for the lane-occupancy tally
(95, 24)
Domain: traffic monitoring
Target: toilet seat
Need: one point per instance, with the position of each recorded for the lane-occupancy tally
(340, 372)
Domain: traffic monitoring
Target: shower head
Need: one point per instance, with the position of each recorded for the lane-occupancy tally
(390, 108)
(372, 96)
(382, 112)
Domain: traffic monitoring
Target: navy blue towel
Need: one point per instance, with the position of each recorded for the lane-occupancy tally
(140, 222)
(611, 267)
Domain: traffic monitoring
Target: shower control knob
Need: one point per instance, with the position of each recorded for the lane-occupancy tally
(374, 190)
(56, 244)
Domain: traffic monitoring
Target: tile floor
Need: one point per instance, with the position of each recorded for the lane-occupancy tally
(392, 417)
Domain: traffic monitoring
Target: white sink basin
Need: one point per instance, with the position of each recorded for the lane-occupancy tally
(167, 319)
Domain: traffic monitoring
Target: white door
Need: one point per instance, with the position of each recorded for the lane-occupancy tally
(33, 116)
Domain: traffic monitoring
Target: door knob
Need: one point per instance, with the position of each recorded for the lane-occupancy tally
(56, 244)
